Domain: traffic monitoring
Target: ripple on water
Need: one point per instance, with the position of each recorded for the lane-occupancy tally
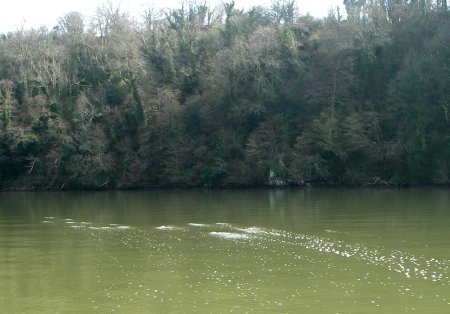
(404, 263)
(407, 264)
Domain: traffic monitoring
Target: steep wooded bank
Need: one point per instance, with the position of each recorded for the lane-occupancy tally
(196, 97)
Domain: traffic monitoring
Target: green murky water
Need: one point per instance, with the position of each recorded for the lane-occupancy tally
(303, 251)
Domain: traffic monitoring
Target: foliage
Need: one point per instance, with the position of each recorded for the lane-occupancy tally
(203, 96)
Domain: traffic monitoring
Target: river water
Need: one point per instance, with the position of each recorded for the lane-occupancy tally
(202, 251)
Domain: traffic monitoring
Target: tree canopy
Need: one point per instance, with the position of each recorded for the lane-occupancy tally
(202, 96)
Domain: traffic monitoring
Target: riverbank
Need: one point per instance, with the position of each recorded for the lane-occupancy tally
(232, 187)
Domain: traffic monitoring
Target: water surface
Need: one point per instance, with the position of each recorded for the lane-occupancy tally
(317, 251)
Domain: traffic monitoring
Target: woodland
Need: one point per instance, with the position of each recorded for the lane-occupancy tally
(202, 96)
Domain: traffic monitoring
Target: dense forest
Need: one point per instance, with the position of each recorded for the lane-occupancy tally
(200, 96)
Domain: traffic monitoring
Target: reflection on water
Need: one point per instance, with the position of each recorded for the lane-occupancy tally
(226, 251)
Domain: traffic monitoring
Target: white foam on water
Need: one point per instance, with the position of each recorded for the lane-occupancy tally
(253, 230)
(123, 227)
(197, 225)
(169, 228)
(334, 231)
(230, 235)
(100, 228)
(47, 222)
